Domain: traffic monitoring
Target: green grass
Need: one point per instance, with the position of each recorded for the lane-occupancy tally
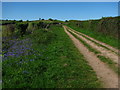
(85, 44)
(5, 31)
(97, 35)
(0, 32)
(0, 56)
(110, 63)
(96, 42)
(60, 65)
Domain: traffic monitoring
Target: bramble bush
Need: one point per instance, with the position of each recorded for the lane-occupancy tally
(21, 28)
(8, 30)
(36, 25)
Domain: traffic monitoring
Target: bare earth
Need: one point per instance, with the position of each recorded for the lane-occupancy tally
(104, 44)
(108, 77)
(104, 51)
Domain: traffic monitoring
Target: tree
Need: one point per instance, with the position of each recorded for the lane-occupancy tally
(27, 20)
(50, 19)
(66, 20)
(22, 28)
(20, 21)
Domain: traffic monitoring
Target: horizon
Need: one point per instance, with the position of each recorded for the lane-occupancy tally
(56, 19)
(58, 10)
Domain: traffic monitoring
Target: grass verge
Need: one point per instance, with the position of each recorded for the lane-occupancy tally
(97, 43)
(55, 63)
(85, 44)
(98, 36)
(108, 61)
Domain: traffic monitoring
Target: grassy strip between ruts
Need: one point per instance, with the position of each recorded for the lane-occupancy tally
(97, 43)
(108, 61)
(88, 46)
(56, 63)
(98, 36)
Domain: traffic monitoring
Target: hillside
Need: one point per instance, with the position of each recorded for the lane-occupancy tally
(60, 54)
(105, 29)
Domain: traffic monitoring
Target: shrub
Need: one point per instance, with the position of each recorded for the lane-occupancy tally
(66, 20)
(21, 28)
(50, 19)
(8, 30)
(20, 21)
(106, 25)
(37, 25)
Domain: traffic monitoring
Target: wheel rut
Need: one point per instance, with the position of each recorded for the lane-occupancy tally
(108, 77)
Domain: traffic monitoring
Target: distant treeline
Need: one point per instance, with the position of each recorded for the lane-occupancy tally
(106, 25)
(6, 22)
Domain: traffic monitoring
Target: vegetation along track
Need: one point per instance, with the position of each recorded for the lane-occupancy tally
(98, 42)
(104, 73)
(104, 52)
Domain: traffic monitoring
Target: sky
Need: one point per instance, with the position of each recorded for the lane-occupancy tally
(58, 10)
(60, 0)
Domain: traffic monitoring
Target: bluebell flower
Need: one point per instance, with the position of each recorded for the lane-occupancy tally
(31, 60)
(25, 72)
(20, 62)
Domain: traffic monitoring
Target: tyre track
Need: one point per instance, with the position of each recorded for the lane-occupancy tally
(104, 51)
(101, 43)
(106, 75)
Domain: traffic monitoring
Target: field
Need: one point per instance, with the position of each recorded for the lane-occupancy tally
(57, 54)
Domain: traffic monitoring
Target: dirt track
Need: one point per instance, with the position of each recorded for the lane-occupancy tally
(104, 73)
(104, 51)
(101, 43)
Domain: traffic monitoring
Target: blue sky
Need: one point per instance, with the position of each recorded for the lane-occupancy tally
(60, 0)
(58, 10)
